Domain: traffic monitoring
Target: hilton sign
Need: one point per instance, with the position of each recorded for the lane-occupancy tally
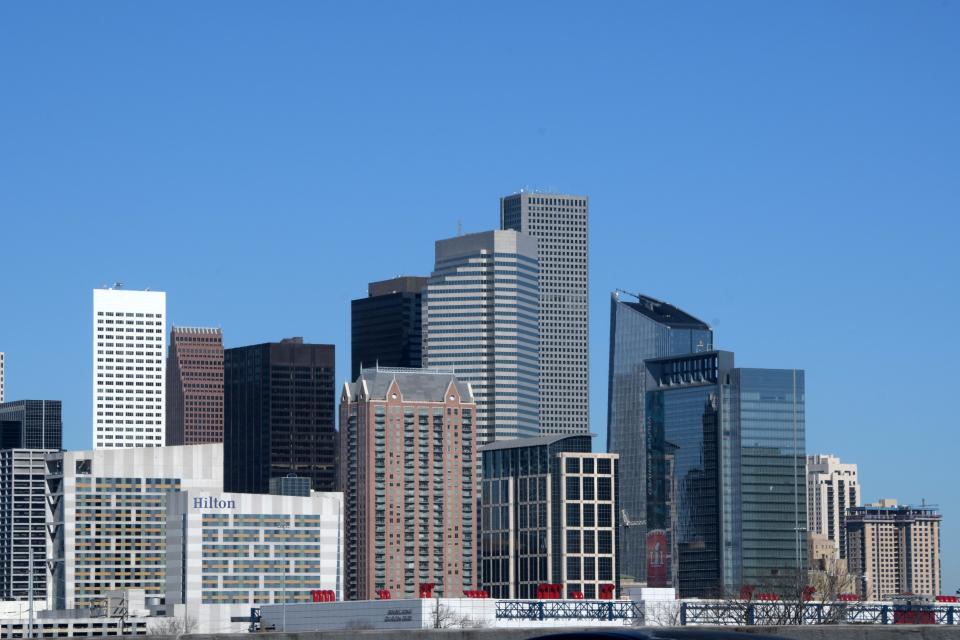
(211, 502)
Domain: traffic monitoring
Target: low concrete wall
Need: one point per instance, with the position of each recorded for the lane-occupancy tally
(824, 632)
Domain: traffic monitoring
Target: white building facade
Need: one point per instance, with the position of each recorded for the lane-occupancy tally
(106, 518)
(229, 552)
(129, 342)
(832, 488)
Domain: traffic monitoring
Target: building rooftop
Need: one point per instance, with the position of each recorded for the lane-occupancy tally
(538, 441)
(416, 385)
(661, 312)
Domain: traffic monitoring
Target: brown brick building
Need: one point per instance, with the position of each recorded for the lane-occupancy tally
(408, 473)
(195, 386)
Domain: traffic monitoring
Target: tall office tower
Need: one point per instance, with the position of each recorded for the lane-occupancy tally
(385, 327)
(195, 386)
(559, 223)
(106, 515)
(22, 523)
(726, 476)
(129, 334)
(641, 328)
(832, 488)
(548, 515)
(2, 367)
(279, 415)
(408, 476)
(29, 430)
(480, 319)
(894, 549)
(31, 424)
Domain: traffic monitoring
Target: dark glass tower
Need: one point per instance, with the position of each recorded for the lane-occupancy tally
(31, 424)
(279, 415)
(641, 328)
(726, 476)
(385, 327)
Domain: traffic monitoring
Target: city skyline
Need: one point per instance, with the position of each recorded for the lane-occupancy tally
(794, 192)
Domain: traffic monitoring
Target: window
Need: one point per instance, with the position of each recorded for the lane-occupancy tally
(573, 488)
(573, 465)
(604, 517)
(603, 489)
(573, 515)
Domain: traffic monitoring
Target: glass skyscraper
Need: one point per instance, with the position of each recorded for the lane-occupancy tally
(726, 476)
(641, 328)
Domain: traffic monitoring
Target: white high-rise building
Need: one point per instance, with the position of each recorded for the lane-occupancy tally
(832, 489)
(480, 320)
(559, 223)
(129, 342)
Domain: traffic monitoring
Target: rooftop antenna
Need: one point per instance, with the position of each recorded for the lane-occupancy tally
(118, 285)
(459, 227)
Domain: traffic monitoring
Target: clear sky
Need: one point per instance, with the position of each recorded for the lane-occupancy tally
(789, 172)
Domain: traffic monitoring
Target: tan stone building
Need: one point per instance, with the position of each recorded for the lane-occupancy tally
(408, 475)
(895, 549)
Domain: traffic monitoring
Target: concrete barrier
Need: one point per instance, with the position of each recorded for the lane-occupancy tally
(824, 632)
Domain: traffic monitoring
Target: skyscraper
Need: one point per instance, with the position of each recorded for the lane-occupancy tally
(480, 320)
(726, 475)
(129, 336)
(408, 476)
(29, 430)
(385, 327)
(641, 328)
(548, 515)
(279, 415)
(894, 549)
(832, 488)
(559, 223)
(31, 424)
(195, 386)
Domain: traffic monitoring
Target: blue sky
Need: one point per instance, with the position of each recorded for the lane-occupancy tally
(788, 172)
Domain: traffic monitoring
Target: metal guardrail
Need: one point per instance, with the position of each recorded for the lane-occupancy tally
(609, 610)
(781, 613)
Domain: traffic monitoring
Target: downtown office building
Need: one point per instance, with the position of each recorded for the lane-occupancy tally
(408, 475)
(559, 223)
(386, 327)
(129, 338)
(29, 430)
(726, 468)
(480, 320)
(195, 386)
(641, 328)
(548, 516)
(832, 489)
(279, 415)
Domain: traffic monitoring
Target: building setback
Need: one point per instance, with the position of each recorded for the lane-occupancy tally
(894, 549)
(641, 328)
(832, 488)
(279, 415)
(106, 517)
(129, 332)
(480, 320)
(195, 386)
(559, 223)
(408, 474)
(548, 515)
(726, 464)
(386, 326)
